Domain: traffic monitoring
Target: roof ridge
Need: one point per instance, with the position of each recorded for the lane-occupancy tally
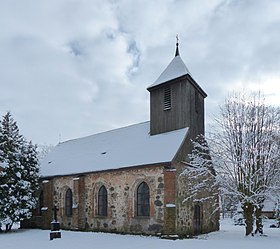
(103, 132)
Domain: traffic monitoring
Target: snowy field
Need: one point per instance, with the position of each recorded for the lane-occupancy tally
(229, 237)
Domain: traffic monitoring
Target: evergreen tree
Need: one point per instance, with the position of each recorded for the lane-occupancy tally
(19, 174)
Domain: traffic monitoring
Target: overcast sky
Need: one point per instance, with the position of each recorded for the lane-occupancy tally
(72, 68)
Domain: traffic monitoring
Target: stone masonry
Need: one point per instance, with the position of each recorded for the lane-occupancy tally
(121, 186)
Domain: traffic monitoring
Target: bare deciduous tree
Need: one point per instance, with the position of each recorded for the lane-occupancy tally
(246, 152)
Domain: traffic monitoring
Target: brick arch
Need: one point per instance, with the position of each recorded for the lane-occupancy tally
(94, 194)
(134, 189)
(139, 181)
(143, 201)
(102, 201)
(62, 196)
(68, 203)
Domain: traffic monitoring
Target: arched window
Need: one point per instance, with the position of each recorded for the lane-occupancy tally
(41, 202)
(68, 202)
(143, 200)
(102, 202)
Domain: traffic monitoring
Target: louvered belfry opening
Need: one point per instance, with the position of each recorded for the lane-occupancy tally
(167, 98)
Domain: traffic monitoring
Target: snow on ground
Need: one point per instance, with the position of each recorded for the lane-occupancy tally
(228, 237)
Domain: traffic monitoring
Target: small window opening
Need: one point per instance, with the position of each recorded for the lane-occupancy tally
(167, 98)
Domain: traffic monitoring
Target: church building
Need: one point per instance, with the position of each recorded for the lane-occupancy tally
(127, 180)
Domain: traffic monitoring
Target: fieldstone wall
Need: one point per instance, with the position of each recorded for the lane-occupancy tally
(169, 214)
(196, 216)
(121, 187)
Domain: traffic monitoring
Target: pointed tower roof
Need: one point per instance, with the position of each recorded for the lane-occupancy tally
(175, 69)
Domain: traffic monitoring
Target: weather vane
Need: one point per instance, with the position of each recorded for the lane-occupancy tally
(177, 45)
(177, 38)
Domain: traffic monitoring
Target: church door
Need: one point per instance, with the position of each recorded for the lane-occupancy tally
(197, 219)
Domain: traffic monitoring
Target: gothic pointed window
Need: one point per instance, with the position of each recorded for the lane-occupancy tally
(68, 202)
(102, 202)
(167, 98)
(143, 200)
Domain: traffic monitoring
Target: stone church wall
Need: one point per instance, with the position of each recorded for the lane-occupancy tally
(196, 216)
(168, 213)
(121, 187)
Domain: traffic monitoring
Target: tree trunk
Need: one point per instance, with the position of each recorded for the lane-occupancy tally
(259, 225)
(248, 211)
(8, 227)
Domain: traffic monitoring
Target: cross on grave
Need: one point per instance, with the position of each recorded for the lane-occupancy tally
(55, 226)
(55, 209)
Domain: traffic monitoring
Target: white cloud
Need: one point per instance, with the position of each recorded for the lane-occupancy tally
(79, 67)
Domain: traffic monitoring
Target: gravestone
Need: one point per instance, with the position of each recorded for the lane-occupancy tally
(55, 226)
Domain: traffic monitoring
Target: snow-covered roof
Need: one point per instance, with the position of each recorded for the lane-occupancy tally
(175, 69)
(119, 148)
(269, 206)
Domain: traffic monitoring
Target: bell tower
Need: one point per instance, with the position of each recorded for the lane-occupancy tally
(176, 100)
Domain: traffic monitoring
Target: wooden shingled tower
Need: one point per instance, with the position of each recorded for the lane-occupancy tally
(176, 100)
